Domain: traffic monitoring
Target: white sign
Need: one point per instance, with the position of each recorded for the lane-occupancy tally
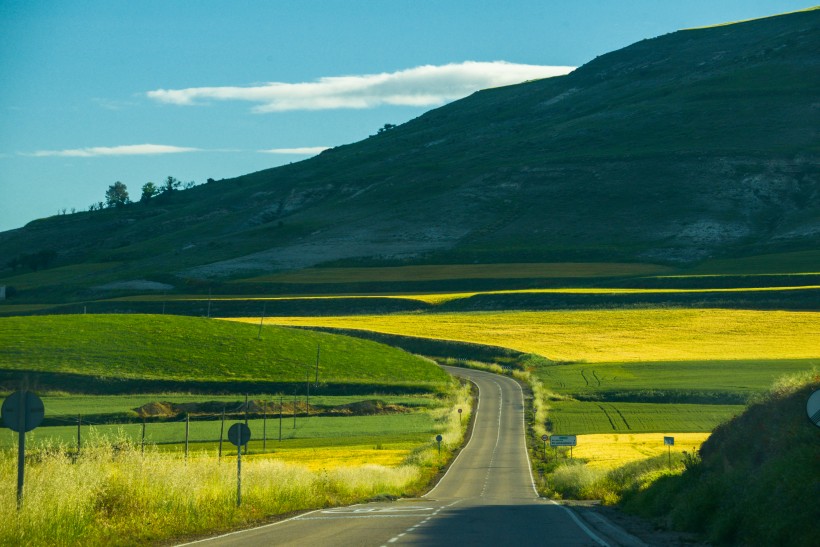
(669, 441)
(562, 440)
(813, 408)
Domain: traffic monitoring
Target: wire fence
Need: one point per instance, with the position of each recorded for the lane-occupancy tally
(269, 422)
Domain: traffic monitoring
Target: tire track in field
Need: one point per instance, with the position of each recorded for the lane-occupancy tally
(629, 427)
(596, 378)
(608, 417)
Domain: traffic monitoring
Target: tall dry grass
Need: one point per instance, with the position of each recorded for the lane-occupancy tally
(114, 494)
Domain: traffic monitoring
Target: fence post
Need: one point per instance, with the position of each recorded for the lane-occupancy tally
(187, 429)
(221, 434)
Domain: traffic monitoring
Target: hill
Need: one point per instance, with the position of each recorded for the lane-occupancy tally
(698, 144)
(756, 482)
(153, 353)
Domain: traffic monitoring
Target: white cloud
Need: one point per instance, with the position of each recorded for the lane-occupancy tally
(129, 150)
(421, 86)
(304, 151)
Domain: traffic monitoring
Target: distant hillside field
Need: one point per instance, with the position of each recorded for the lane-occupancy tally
(77, 352)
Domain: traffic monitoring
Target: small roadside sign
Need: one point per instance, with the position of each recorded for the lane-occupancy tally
(813, 408)
(239, 434)
(669, 441)
(544, 437)
(23, 411)
(563, 440)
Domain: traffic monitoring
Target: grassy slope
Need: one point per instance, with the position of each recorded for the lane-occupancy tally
(191, 350)
(757, 483)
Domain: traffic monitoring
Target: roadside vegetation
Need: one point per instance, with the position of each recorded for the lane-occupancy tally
(116, 491)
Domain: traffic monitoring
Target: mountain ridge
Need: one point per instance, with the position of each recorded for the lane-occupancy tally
(696, 144)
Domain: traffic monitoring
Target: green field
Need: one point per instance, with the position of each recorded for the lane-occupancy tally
(69, 406)
(129, 352)
(579, 418)
(204, 434)
(708, 380)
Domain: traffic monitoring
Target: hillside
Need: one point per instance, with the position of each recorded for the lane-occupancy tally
(697, 144)
(756, 483)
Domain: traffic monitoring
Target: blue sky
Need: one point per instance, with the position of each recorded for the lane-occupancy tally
(95, 92)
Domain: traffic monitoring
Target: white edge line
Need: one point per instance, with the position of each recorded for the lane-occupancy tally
(250, 529)
(477, 406)
(580, 524)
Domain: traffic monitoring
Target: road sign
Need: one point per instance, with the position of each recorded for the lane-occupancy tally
(813, 408)
(23, 411)
(438, 438)
(239, 434)
(669, 441)
(544, 437)
(562, 440)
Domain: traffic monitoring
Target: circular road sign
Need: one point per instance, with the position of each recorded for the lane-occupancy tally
(544, 437)
(32, 407)
(239, 434)
(813, 408)
(438, 438)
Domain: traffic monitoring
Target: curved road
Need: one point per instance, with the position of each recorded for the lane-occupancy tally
(486, 498)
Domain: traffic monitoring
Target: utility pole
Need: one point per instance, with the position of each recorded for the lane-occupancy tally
(221, 434)
(318, 352)
(246, 422)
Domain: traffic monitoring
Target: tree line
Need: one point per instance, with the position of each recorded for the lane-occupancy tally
(117, 194)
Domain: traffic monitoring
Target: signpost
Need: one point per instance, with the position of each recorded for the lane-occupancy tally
(438, 440)
(239, 434)
(544, 438)
(459, 415)
(670, 442)
(563, 440)
(813, 408)
(22, 411)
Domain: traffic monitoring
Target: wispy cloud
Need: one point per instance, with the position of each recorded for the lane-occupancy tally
(420, 86)
(304, 151)
(128, 150)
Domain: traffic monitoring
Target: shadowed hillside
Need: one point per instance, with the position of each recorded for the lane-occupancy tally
(701, 143)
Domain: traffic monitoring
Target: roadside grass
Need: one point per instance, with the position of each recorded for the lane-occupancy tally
(112, 349)
(608, 335)
(113, 493)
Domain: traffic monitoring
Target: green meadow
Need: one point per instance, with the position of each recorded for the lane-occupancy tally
(106, 353)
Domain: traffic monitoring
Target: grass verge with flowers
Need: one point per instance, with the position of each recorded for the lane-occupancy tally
(113, 493)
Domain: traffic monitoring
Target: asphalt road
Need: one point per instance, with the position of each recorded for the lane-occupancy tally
(486, 498)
